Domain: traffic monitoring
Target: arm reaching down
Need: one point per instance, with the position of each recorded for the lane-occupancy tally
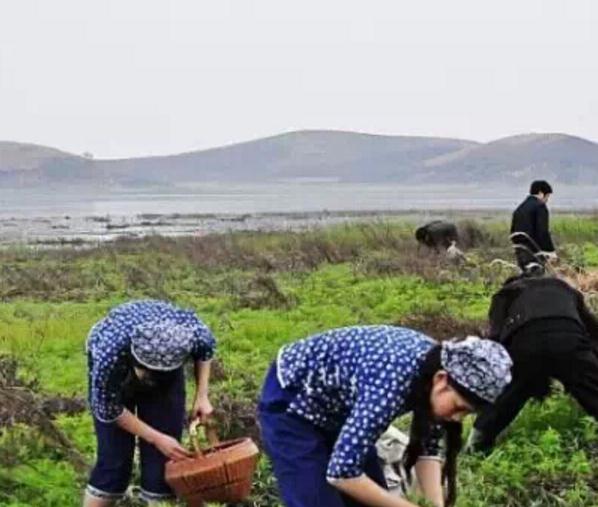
(204, 347)
(366, 491)
(369, 418)
(429, 477)
(167, 445)
(202, 408)
(543, 238)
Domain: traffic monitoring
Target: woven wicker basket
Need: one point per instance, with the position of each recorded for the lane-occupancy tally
(221, 473)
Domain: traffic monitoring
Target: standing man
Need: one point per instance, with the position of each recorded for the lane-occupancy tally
(530, 232)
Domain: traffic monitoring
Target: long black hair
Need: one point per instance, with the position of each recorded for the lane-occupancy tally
(155, 381)
(423, 422)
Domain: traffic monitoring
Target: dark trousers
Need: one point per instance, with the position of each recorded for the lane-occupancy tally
(163, 410)
(299, 453)
(566, 356)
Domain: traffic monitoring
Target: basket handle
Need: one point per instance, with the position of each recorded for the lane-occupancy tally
(210, 431)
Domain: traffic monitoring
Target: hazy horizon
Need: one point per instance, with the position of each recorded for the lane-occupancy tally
(132, 156)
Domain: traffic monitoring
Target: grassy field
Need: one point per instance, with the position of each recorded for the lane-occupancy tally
(257, 292)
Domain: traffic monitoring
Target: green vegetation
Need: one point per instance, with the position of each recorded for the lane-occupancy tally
(257, 292)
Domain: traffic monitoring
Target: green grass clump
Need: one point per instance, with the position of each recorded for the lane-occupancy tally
(257, 292)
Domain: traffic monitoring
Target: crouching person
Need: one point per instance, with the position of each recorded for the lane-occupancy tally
(327, 399)
(137, 389)
(550, 333)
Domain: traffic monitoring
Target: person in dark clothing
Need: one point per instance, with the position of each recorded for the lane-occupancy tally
(550, 333)
(530, 232)
(437, 234)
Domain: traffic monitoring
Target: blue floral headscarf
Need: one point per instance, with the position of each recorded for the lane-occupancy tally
(162, 344)
(481, 367)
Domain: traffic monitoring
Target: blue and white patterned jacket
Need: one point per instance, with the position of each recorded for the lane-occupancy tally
(354, 381)
(109, 349)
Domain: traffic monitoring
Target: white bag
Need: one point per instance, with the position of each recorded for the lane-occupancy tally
(390, 448)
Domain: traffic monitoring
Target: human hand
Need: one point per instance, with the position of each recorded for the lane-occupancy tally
(170, 447)
(202, 409)
(549, 256)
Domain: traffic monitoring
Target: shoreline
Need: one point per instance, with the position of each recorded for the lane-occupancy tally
(93, 229)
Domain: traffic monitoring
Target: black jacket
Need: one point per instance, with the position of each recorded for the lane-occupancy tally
(526, 299)
(531, 217)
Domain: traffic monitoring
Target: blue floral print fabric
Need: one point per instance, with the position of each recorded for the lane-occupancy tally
(173, 334)
(354, 381)
(483, 367)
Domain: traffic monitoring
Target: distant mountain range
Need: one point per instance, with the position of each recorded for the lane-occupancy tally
(318, 155)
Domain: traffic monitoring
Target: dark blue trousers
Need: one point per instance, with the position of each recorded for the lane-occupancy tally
(164, 411)
(299, 452)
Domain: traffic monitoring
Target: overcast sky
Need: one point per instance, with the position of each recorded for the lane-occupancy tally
(131, 77)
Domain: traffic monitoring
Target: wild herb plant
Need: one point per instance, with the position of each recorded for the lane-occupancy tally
(257, 292)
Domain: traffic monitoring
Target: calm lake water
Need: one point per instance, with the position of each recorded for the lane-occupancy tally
(31, 216)
(277, 198)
